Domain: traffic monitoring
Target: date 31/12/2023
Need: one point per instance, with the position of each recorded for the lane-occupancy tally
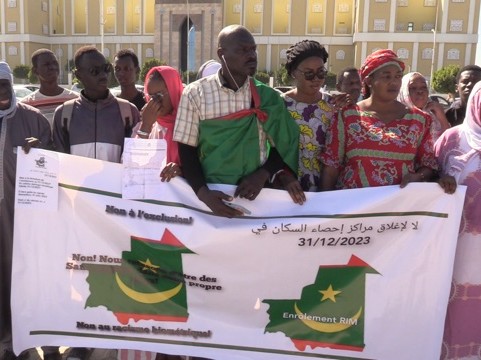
(332, 241)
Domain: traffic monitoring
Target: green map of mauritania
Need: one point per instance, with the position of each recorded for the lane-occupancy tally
(148, 284)
(330, 313)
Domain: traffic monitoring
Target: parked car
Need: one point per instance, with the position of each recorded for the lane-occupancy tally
(33, 87)
(21, 91)
(116, 90)
(440, 99)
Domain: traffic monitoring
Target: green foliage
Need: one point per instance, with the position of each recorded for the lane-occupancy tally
(281, 78)
(149, 64)
(262, 76)
(330, 81)
(191, 74)
(21, 71)
(32, 78)
(444, 80)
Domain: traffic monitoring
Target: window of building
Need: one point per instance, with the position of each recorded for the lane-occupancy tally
(12, 50)
(340, 55)
(402, 2)
(456, 1)
(456, 25)
(232, 11)
(253, 12)
(149, 16)
(44, 6)
(149, 53)
(80, 15)
(344, 17)
(12, 3)
(427, 54)
(403, 53)
(429, 2)
(316, 13)
(132, 16)
(283, 54)
(57, 17)
(453, 54)
(281, 16)
(45, 29)
(110, 16)
(379, 24)
(12, 26)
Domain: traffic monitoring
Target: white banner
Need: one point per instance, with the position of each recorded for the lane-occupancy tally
(358, 274)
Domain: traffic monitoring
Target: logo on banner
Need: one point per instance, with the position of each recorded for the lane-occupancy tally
(148, 285)
(330, 312)
(41, 162)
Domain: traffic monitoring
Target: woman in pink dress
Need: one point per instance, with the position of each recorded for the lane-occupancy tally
(458, 151)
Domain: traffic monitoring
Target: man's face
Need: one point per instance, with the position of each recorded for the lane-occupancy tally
(466, 83)
(5, 94)
(93, 72)
(240, 54)
(47, 68)
(351, 84)
(125, 71)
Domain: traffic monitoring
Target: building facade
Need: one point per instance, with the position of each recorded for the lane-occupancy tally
(426, 34)
(65, 25)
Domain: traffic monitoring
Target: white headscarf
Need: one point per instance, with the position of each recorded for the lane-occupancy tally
(6, 73)
(472, 121)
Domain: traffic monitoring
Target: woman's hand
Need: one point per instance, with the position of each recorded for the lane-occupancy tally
(437, 110)
(448, 184)
(149, 115)
(170, 171)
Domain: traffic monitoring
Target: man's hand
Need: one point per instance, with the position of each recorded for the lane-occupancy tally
(30, 142)
(291, 184)
(251, 185)
(170, 171)
(214, 199)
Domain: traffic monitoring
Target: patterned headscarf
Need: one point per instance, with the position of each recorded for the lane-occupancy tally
(175, 87)
(377, 60)
(6, 73)
(404, 96)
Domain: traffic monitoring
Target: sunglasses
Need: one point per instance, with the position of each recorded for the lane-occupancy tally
(310, 75)
(96, 70)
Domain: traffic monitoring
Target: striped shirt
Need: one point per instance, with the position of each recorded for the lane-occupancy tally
(48, 104)
(208, 98)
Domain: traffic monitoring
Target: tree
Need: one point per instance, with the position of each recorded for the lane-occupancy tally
(32, 78)
(21, 71)
(281, 77)
(263, 76)
(149, 64)
(444, 80)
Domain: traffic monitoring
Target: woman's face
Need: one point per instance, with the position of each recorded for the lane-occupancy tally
(418, 91)
(157, 91)
(310, 75)
(385, 83)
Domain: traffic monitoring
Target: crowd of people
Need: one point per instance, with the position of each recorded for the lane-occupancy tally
(378, 128)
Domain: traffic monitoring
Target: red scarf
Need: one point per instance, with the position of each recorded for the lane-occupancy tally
(175, 87)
